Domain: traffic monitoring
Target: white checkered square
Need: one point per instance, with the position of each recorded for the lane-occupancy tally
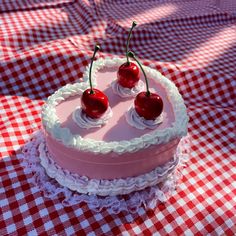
(70, 230)
(85, 223)
(28, 220)
(190, 214)
(105, 228)
(48, 225)
(44, 212)
(7, 215)
(64, 218)
(11, 229)
(137, 230)
(91, 234)
(168, 228)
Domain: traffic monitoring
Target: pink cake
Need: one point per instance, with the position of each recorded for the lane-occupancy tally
(116, 158)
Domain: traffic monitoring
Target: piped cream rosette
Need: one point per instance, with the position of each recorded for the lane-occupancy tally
(139, 122)
(127, 92)
(84, 121)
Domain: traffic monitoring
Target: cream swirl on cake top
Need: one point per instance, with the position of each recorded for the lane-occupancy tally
(84, 121)
(140, 122)
(127, 92)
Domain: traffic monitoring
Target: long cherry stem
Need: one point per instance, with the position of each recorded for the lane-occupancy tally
(127, 43)
(96, 48)
(131, 54)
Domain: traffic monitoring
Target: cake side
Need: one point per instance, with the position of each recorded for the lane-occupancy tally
(111, 165)
(103, 187)
(114, 152)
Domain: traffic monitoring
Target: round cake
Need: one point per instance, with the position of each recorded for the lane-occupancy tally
(119, 155)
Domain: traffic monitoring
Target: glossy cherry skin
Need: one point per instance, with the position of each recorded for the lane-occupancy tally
(94, 104)
(128, 75)
(148, 106)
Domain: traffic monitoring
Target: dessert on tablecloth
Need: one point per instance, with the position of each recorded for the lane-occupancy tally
(116, 133)
(119, 150)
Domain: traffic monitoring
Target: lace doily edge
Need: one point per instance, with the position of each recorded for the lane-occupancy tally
(148, 198)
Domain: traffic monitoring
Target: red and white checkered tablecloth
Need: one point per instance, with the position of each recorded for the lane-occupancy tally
(47, 44)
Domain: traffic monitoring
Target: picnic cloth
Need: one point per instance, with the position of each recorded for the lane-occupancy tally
(47, 44)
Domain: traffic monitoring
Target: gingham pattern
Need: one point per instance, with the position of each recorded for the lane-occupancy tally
(46, 44)
(14, 5)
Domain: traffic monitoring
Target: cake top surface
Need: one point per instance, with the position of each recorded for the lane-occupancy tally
(57, 113)
(117, 128)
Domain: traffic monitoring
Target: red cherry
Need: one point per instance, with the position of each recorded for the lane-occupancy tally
(149, 106)
(128, 75)
(94, 103)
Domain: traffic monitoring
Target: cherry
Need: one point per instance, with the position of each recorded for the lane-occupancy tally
(128, 73)
(94, 102)
(148, 105)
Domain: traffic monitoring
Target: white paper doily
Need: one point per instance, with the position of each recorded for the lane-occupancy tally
(147, 198)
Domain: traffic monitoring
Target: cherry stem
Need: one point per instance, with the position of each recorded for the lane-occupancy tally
(131, 54)
(96, 48)
(127, 43)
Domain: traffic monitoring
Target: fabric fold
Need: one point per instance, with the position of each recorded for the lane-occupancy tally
(14, 5)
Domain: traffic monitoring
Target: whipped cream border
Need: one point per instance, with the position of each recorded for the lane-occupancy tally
(52, 124)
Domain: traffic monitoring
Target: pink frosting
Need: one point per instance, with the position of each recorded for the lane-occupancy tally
(117, 128)
(111, 165)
